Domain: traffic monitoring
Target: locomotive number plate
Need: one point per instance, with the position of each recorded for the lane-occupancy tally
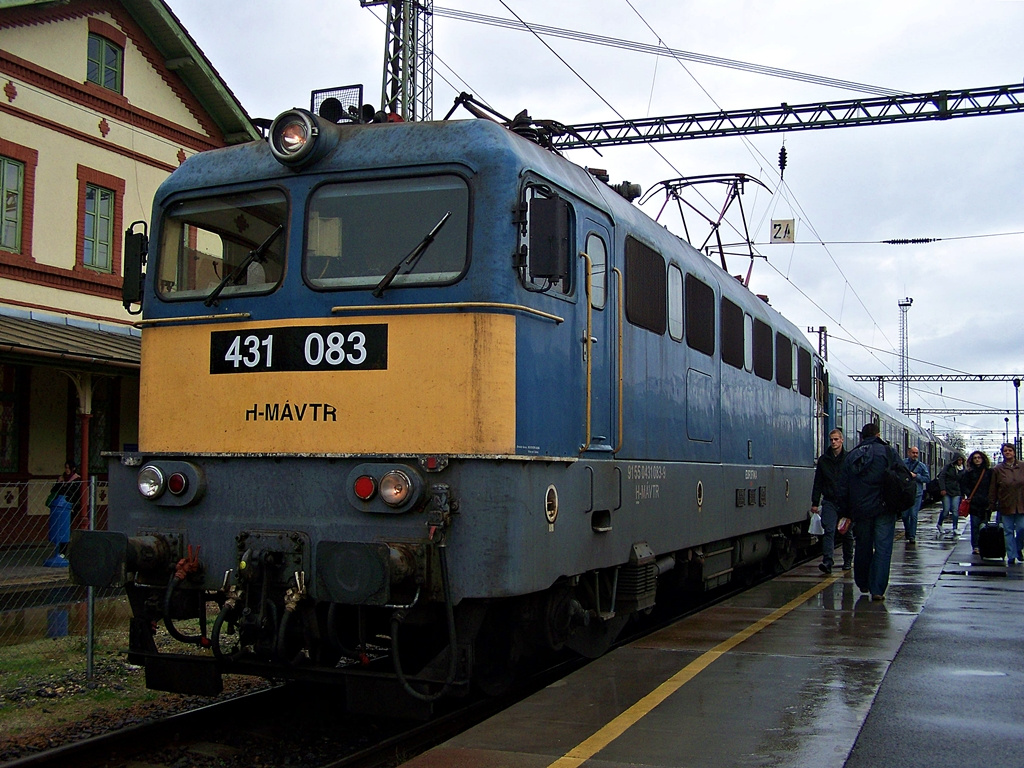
(305, 348)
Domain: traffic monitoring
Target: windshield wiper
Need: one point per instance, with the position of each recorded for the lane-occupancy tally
(411, 259)
(256, 254)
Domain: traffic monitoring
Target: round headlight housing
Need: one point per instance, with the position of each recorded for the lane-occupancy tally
(395, 488)
(293, 136)
(151, 481)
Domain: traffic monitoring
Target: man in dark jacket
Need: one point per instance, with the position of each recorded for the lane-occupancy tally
(920, 472)
(860, 498)
(826, 490)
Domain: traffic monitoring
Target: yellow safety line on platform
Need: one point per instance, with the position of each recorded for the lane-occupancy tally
(618, 726)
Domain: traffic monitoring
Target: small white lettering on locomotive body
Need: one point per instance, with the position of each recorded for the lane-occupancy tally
(288, 411)
(643, 475)
(751, 474)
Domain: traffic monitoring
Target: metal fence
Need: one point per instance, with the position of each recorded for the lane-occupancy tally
(37, 599)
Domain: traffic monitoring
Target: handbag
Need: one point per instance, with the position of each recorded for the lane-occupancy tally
(964, 510)
(843, 526)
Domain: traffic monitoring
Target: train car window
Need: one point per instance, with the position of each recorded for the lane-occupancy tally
(733, 342)
(748, 343)
(803, 371)
(675, 302)
(700, 316)
(598, 254)
(783, 361)
(645, 286)
(764, 358)
(357, 232)
(840, 424)
(205, 240)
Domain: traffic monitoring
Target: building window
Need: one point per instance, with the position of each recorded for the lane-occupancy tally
(99, 228)
(12, 185)
(100, 199)
(105, 63)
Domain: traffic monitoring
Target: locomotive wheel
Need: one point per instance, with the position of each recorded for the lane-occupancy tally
(595, 638)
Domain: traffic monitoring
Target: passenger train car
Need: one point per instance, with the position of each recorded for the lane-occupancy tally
(420, 400)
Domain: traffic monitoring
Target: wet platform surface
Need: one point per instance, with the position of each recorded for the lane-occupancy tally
(801, 671)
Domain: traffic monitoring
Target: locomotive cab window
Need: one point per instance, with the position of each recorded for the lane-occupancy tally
(237, 240)
(357, 232)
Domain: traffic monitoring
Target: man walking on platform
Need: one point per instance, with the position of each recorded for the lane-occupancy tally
(826, 490)
(1006, 493)
(860, 498)
(920, 472)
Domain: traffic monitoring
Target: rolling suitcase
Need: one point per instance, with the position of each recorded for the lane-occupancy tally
(991, 543)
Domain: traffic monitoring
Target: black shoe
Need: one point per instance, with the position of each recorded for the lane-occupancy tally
(911, 542)
(847, 566)
(824, 568)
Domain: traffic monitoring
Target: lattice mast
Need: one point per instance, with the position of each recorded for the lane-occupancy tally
(904, 368)
(408, 83)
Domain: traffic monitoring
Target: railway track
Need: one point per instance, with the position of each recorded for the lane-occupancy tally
(302, 726)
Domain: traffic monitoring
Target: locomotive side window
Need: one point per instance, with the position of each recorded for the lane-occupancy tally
(783, 361)
(700, 316)
(803, 371)
(358, 231)
(748, 343)
(598, 254)
(645, 286)
(733, 342)
(205, 242)
(764, 358)
(675, 302)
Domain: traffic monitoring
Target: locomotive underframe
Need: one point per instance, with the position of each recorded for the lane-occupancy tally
(296, 583)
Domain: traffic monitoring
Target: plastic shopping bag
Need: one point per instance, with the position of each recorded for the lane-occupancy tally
(816, 528)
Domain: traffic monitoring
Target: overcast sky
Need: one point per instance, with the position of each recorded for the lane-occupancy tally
(959, 180)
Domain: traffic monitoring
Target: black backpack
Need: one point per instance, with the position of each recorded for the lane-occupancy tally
(899, 488)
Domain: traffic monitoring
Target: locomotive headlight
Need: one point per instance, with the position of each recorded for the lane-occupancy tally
(151, 481)
(395, 487)
(293, 136)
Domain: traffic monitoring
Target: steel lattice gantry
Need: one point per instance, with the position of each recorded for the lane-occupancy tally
(935, 105)
(408, 85)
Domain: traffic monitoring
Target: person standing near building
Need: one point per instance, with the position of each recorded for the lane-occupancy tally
(949, 491)
(826, 490)
(860, 498)
(920, 472)
(1006, 494)
(974, 485)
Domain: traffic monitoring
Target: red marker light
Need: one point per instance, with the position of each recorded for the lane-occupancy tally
(365, 487)
(177, 483)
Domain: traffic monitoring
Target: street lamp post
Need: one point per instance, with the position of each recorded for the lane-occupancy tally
(1006, 429)
(1016, 412)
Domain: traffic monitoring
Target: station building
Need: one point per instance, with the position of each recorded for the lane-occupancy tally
(99, 101)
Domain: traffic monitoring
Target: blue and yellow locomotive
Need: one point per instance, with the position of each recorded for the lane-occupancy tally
(421, 399)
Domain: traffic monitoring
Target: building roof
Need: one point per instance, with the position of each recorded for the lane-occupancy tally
(183, 57)
(69, 343)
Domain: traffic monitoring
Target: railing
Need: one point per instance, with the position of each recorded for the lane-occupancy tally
(37, 599)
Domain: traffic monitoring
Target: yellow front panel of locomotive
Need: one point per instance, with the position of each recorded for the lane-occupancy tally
(449, 387)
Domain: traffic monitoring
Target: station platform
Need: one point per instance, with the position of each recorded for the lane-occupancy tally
(801, 671)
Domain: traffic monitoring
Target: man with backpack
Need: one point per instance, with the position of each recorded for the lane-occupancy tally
(861, 488)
